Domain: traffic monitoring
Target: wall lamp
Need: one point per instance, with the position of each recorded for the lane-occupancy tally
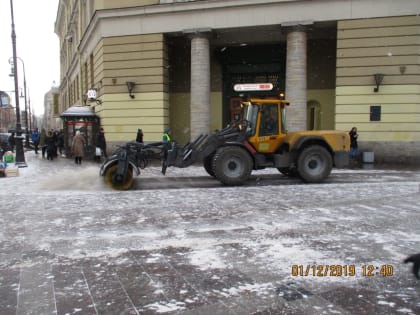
(130, 87)
(98, 101)
(378, 80)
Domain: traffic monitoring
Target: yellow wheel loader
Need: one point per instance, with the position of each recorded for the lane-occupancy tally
(260, 140)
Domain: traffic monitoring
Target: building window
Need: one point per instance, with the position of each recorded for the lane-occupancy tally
(92, 74)
(77, 92)
(375, 113)
(56, 109)
(85, 76)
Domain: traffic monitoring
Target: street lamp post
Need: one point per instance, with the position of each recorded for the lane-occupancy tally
(20, 155)
(29, 112)
(26, 102)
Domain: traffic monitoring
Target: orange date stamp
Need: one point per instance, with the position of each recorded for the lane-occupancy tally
(342, 270)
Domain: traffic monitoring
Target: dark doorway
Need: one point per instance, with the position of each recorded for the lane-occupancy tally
(250, 64)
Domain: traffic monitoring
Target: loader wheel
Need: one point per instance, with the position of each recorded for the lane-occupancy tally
(112, 180)
(314, 164)
(208, 165)
(232, 165)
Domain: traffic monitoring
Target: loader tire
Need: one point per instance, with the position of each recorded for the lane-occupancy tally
(314, 164)
(232, 165)
(208, 165)
(115, 183)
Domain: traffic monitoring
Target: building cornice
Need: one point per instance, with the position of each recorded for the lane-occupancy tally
(219, 14)
(223, 14)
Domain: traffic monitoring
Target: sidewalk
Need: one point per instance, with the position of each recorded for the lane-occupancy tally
(184, 244)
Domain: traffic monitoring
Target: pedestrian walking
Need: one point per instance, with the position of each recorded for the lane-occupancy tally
(50, 146)
(139, 137)
(353, 142)
(77, 147)
(35, 139)
(101, 144)
(60, 142)
(12, 141)
(167, 142)
(166, 135)
(55, 137)
(42, 138)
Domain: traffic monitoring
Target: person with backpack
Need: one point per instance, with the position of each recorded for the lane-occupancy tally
(35, 139)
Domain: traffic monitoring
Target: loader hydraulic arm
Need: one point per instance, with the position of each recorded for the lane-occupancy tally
(202, 146)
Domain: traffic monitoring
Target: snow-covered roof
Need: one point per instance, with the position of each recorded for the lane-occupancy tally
(78, 110)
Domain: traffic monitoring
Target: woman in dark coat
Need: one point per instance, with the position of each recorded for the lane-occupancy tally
(101, 142)
(12, 142)
(353, 142)
(50, 146)
(139, 137)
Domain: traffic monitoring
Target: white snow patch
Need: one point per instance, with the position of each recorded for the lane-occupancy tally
(390, 304)
(257, 288)
(104, 252)
(281, 252)
(367, 207)
(166, 307)
(155, 258)
(224, 227)
(206, 258)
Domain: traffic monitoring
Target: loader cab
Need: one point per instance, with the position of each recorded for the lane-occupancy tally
(268, 123)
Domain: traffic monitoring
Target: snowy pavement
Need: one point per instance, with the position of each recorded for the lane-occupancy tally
(184, 244)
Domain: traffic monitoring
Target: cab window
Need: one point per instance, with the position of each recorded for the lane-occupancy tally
(251, 114)
(269, 120)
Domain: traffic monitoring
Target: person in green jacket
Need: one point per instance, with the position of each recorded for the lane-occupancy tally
(166, 135)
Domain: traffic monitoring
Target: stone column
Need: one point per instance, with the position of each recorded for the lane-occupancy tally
(200, 83)
(296, 79)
